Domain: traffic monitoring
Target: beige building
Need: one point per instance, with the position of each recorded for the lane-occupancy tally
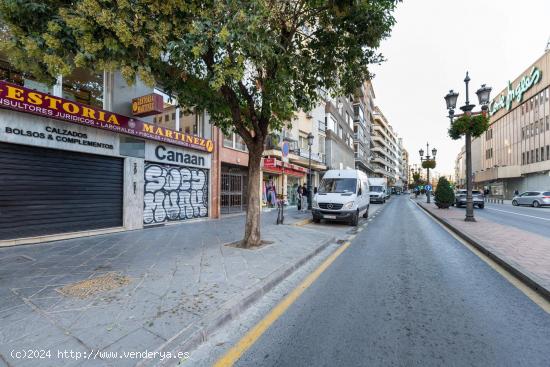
(515, 151)
(386, 151)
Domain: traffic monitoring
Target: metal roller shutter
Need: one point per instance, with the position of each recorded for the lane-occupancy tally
(48, 191)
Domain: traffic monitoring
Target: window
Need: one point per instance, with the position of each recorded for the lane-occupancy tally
(489, 153)
(548, 152)
(173, 116)
(166, 117)
(547, 123)
(84, 86)
(228, 141)
(302, 141)
(537, 155)
(542, 154)
(489, 134)
(523, 158)
(522, 133)
(321, 144)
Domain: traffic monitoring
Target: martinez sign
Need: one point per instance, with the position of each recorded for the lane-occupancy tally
(17, 98)
(515, 94)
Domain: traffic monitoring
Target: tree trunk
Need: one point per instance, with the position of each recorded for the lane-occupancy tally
(252, 227)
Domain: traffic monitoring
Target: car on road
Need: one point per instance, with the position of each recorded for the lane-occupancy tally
(533, 198)
(477, 195)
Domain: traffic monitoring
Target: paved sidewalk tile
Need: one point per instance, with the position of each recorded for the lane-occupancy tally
(525, 251)
(178, 275)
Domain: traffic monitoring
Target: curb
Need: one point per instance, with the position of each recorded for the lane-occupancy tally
(197, 333)
(303, 222)
(524, 278)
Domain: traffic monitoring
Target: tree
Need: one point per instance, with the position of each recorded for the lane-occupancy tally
(444, 195)
(250, 64)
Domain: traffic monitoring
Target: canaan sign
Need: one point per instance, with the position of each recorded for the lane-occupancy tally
(17, 98)
(515, 94)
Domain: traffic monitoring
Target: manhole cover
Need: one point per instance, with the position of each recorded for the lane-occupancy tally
(19, 259)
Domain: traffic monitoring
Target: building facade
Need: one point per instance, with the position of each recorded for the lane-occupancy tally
(386, 151)
(77, 162)
(460, 169)
(363, 108)
(515, 150)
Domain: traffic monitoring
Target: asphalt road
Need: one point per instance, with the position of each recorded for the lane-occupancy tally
(406, 293)
(535, 220)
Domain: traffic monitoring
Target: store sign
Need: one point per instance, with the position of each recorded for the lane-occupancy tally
(57, 134)
(176, 156)
(275, 165)
(515, 94)
(16, 98)
(148, 105)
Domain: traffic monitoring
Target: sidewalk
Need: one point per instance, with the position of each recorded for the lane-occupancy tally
(175, 283)
(525, 254)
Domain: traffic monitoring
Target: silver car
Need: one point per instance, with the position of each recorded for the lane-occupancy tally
(532, 198)
(477, 195)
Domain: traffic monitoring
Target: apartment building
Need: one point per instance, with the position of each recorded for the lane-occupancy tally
(515, 151)
(363, 111)
(386, 151)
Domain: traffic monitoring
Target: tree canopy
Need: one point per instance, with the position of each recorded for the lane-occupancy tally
(251, 64)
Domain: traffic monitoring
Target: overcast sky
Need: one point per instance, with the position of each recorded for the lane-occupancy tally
(432, 46)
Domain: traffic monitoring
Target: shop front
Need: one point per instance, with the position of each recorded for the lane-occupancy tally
(280, 178)
(69, 168)
(175, 184)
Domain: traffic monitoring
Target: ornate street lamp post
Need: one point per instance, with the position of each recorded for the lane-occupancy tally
(483, 95)
(427, 158)
(309, 193)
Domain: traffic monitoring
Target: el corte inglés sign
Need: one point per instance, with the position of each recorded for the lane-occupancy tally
(515, 94)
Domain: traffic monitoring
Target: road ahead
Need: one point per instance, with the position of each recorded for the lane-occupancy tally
(406, 293)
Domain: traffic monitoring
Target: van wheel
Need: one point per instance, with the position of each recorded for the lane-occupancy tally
(366, 213)
(316, 220)
(354, 219)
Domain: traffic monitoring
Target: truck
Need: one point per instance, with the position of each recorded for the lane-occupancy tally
(378, 189)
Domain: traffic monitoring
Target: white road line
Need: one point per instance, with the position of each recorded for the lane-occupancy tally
(524, 215)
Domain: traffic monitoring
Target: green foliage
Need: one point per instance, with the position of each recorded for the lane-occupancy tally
(475, 125)
(250, 64)
(444, 195)
(429, 163)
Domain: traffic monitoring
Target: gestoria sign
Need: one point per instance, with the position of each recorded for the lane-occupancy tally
(17, 98)
(515, 94)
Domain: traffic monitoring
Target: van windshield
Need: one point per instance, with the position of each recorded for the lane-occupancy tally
(376, 188)
(337, 185)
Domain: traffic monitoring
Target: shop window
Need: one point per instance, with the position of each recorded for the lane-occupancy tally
(132, 147)
(228, 141)
(84, 86)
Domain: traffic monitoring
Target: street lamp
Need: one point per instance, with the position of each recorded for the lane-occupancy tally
(484, 96)
(427, 158)
(309, 193)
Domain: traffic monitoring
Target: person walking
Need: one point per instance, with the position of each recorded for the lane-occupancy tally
(304, 198)
(516, 192)
(299, 201)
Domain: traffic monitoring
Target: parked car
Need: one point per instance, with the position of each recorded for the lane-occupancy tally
(343, 195)
(477, 195)
(532, 198)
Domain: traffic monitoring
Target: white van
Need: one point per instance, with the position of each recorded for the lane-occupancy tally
(343, 195)
(378, 189)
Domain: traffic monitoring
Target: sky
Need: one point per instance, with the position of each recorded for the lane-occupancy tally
(432, 46)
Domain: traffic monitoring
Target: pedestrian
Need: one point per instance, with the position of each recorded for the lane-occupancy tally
(304, 198)
(299, 192)
(315, 190)
(516, 192)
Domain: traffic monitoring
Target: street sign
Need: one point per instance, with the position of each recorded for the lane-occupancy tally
(285, 149)
(428, 187)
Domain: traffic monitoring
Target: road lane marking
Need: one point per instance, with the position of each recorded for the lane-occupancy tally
(524, 215)
(233, 355)
(528, 291)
